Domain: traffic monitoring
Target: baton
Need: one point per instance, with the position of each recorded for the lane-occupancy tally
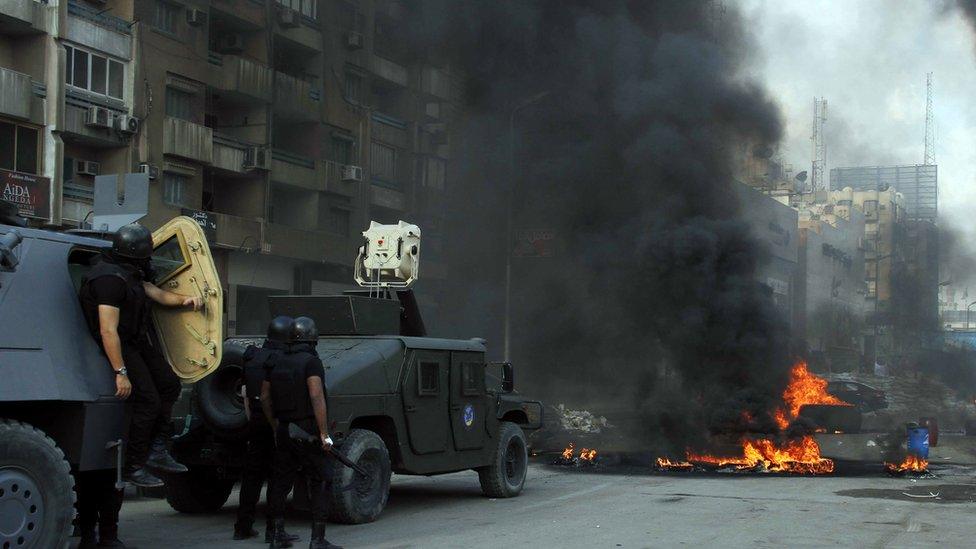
(297, 433)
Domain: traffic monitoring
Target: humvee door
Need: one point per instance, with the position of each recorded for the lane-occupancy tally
(191, 340)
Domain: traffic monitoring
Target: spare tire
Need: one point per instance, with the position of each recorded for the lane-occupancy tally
(218, 396)
(199, 491)
(845, 419)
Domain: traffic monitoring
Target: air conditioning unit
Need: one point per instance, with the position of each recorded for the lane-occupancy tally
(352, 173)
(256, 158)
(86, 167)
(146, 167)
(126, 124)
(287, 17)
(231, 43)
(196, 17)
(98, 117)
(354, 40)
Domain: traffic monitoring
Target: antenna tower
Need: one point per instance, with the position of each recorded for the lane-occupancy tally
(817, 182)
(929, 123)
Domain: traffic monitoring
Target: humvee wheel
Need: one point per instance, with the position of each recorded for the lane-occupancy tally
(505, 475)
(198, 491)
(355, 499)
(36, 489)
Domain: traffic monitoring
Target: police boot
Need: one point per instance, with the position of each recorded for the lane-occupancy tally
(278, 535)
(269, 533)
(142, 478)
(88, 539)
(245, 531)
(160, 458)
(108, 536)
(318, 540)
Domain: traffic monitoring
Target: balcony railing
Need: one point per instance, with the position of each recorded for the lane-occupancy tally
(99, 16)
(389, 70)
(31, 12)
(297, 97)
(16, 94)
(293, 169)
(188, 140)
(229, 153)
(241, 75)
(238, 232)
(334, 173)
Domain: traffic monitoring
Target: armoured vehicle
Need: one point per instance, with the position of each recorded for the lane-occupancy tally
(398, 400)
(58, 410)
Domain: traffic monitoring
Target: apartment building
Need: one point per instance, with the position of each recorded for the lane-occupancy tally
(283, 126)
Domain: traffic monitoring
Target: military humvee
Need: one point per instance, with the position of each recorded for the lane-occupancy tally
(398, 401)
(58, 410)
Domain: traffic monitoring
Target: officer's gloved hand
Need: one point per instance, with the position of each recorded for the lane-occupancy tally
(326, 442)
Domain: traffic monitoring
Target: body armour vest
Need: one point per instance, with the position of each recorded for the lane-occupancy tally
(134, 310)
(289, 388)
(256, 362)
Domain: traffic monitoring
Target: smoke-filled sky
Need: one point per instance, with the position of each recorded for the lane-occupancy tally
(868, 58)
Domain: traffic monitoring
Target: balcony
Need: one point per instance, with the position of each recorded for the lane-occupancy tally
(242, 77)
(390, 130)
(292, 169)
(297, 98)
(229, 154)
(187, 140)
(22, 17)
(237, 232)
(334, 182)
(389, 70)
(385, 197)
(17, 97)
(77, 130)
(99, 30)
(318, 246)
(437, 83)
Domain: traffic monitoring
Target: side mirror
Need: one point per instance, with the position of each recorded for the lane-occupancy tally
(508, 377)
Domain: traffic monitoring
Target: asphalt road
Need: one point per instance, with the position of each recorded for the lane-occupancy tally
(623, 508)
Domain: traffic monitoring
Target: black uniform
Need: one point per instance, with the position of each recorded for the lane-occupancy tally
(291, 404)
(260, 438)
(155, 387)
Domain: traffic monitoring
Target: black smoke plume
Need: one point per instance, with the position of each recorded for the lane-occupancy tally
(627, 155)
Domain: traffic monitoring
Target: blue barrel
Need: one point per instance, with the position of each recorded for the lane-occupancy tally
(918, 442)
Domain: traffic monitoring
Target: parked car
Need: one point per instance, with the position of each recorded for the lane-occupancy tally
(864, 397)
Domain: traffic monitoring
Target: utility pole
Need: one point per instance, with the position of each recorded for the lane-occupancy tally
(817, 182)
(929, 123)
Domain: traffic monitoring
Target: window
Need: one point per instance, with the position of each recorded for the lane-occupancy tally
(167, 259)
(93, 72)
(342, 150)
(382, 162)
(429, 378)
(436, 171)
(353, 87)
(469, 378)
(179, 104)
(339, 221)
(175, 192)
(18, 148)
(304, 7)
(348, 17)
(166, 16)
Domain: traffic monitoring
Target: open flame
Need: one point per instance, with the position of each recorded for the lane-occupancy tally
(585, 455)
(804, 388)
(800, 456)
(911, 464)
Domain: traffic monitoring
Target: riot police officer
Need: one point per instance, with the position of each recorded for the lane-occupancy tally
(259, 455)
(294, 392)
(116, 295)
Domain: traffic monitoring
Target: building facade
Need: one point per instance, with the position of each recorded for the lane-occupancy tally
(918, 184)
(283, 125)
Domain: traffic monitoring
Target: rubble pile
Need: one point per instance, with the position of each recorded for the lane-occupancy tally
(580, 420)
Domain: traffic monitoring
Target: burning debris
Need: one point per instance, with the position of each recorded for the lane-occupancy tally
(911, 465)
(569, 457)
(581, 420)
(798, 455)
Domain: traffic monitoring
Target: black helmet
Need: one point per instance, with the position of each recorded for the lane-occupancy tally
(304, 330)
(132, 241)
(279, 330)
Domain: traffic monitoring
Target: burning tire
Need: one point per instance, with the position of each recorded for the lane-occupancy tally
(845, 419)
(356, 500)
(505, 476)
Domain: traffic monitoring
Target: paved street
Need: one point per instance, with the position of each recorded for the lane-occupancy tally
(567, 508)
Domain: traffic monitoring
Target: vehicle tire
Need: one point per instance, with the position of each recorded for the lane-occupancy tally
(504, 477)
(355, 499)
(218, 398)
(37, 493)
(198, 491)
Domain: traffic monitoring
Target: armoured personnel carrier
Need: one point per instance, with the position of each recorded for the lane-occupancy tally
(399, 400)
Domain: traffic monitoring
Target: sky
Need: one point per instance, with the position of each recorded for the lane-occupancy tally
(869, 59)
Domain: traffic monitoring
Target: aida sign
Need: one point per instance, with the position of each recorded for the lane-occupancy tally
(30, 193)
